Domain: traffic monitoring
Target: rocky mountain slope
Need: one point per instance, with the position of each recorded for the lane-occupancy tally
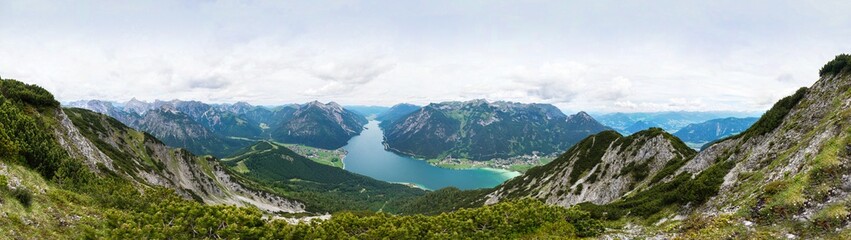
(600, 169)
(714, 129)
(108, 145)
(481, 130)
(791, 168)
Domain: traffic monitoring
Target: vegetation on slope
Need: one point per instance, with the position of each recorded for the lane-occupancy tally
(682, 190)
(518, 219)
(774, 117)
(836, 66)
(321, 187)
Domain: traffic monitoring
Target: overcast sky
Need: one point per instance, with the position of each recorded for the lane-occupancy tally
(601, 56)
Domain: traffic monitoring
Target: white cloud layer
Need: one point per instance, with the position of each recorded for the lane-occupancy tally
(599, 56)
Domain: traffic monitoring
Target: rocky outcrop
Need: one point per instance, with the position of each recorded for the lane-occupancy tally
(600, 169)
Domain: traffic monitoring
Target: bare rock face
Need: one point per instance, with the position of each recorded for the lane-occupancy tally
(145, 160)
(77, 146)
(600, 169)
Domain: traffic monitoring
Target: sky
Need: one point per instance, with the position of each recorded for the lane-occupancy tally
(598, 56)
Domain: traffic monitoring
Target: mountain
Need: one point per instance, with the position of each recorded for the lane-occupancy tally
(178, 129)
(639, 126)
(367, 111)
(672, 121)
(222, 129)
(481, 130)
(321, 187)
(396, 112)
(714, 129)
(320, 125)
(599, 169)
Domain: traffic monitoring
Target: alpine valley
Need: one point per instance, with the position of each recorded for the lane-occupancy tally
(191, 170)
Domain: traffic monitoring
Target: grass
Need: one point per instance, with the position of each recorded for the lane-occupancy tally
(54, 213)
(469, 164)
(332, 158)
(241, 168)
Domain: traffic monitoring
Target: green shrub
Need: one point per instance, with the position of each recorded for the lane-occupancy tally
(22, 195)
(836, 66)
(774, 117)
(27, 93)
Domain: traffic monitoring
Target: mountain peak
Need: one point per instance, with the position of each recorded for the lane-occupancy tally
(581, 116)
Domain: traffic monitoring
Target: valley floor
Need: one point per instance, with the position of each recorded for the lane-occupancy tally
(517, 164)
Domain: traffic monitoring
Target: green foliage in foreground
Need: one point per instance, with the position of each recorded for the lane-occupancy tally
(174, 218)
(445, 200)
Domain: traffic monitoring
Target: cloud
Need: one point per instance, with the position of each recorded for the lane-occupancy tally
(566, 82)
(675, 104)
(593, 57)
(214, 82)
(342, 77)
(785, 78)
(551, 82)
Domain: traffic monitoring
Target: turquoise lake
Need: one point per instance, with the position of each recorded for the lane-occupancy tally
(367, 156)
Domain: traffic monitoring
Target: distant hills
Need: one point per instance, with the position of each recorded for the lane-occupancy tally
(396, 112)
(482, 130)
(671, 121)
(367, 111)
(221, 129)
(714, 129)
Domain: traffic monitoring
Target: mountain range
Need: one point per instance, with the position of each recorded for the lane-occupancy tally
(222, 129)
(672, 121)
(482, 130)
(714, 129)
